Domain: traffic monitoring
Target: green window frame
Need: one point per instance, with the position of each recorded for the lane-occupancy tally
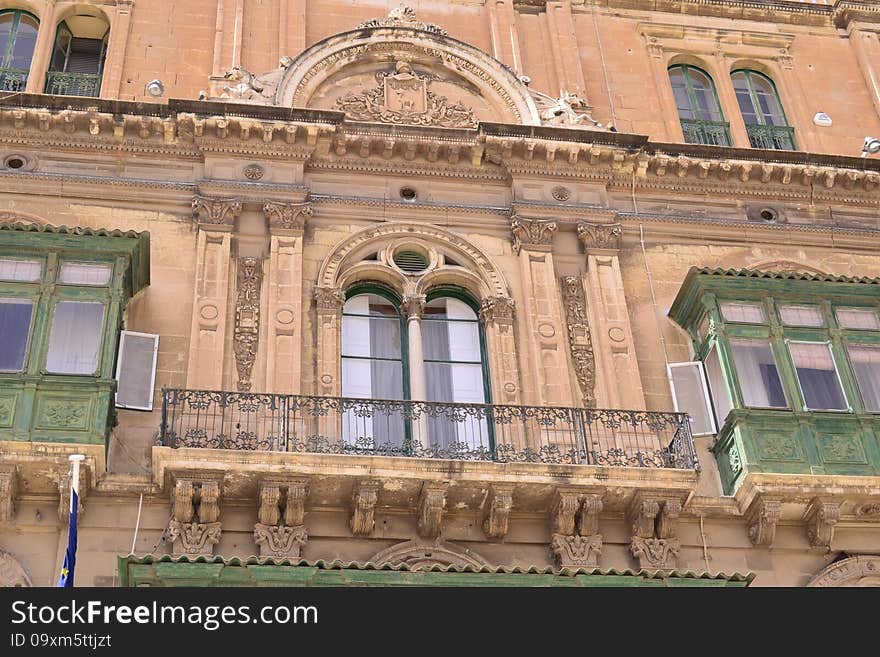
(16, 58)
(699, 109)
(762, 111)
(65, 76)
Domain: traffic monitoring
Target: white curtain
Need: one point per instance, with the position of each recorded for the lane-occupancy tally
(801, 316)
(866, 364)
(75, 338)
(817, 376)
(758, 376)
(858, 318)
(748, 313)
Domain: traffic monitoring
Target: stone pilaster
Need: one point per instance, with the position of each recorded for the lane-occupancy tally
(8, 491)
(497, 315)
(328, 303)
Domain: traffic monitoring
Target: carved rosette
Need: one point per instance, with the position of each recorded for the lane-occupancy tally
(247, 319)
(329, 300)
(208, 210)
(432, 504)
(194, 528)
(497, 309)
(8, 490)
(280, 531)
(291, 216)
(822, 516)
(762, 517)
(363, 507)
(496, 512)
(579, 341)
(599, 236)
(531, 233)
(654, 523)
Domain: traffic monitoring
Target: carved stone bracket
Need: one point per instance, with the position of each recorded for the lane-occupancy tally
(194, 528)
(654, 521)
(576, 551)
(496, 510)
(762, 516)
(821, 516)
(8, 491)
(497, 309)
(207, 210)
(280, 531)
(291, 216)
(432, 504)
(565, 508)
(532, 233)
(363, 505)
(329, 300)
(247, 319)
(576, 541)
(579, 339)
(599, 236)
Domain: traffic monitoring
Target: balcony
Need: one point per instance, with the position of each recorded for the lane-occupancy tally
(13, 79)
(711, 133)
(771, 137)
(461, 432)
(73, 84)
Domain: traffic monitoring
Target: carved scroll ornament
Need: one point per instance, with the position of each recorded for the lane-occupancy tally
(247, 319)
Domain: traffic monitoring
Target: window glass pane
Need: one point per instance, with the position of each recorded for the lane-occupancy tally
(747, 313)
(817, 376)
(450, 331)
(75, 337)
(370, 328)
(758, 375)
(25, 41)
(20, 270)
(866, 365)
(705, 94)
(15, 324)
(78, 273)
(858, 318)
(801, 316)
(689, 393)
(717, 389)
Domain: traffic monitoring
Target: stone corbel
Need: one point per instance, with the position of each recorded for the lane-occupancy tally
(496, 510)
(280, 531)
(762, 517)
(432, 504)
(576, 510)
(654, 521)
(534, 234)
(290, 216)
(215, 211)
(194, 528)
(599, 236)
(821, 516)
(564, 511)
(363, 506)
(8, 491)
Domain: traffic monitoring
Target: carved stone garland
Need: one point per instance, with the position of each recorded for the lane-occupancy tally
(194, 528)
(281, 531)
(654, 523)
(578, 511)
(579, 340)
(247, 319)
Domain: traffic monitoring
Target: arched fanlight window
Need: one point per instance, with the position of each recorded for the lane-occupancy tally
(698, 109)
(761, 111)
(77, 63)
(18, 37)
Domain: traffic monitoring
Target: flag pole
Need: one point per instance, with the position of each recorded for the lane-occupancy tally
(67, 570)
(75, 460)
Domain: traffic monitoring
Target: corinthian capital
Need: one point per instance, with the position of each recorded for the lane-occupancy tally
(599, 236)
(287, 215)
(329, 299)
(531, 232)
(208, 210)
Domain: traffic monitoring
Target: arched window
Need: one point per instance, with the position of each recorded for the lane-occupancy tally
(698, 109)
(77, 63)
(761, 111)
(18, 36)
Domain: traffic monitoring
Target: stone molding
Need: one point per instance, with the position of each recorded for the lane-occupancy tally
(857, 571)
(8, 491)
(418, 554)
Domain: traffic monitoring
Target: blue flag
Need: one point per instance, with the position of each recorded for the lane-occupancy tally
(66, 579)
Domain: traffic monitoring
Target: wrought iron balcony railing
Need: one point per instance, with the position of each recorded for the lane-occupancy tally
(73, 84)
(472, 432)
(779, 137)
(711, 133)
(13, 79)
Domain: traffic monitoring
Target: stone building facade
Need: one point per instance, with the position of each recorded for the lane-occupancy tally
(531, 290)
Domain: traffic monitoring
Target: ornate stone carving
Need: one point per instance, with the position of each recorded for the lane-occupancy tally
(654, 522)
(12, 573)
(422, 554)
(497, 309)
(565, 508)
(762, 516)
(288, 215)
(496, 510)
(280, 531)
(64, 495)
(579, 340)
(403, 97)
(254, 172)
(402, 16)
(588, 521)
(531, 232)
(413, 305)
(857, 571)
(242, 85)
(655, 552)
(364, 503)
(280, 541)
(246, 335)
(576, 551)
(329, 299)
(8, 491)
(867, 510)
(432, 504)
(568, 110)
(821, 516)
(215, 210)
(194, 528)
(599, 236)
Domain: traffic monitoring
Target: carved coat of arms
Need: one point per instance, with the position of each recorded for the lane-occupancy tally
(404, 97)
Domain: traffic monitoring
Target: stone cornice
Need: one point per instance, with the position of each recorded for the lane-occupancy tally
(777, 11)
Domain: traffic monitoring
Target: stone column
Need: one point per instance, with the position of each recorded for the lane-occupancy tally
(543, 314)
(215, 219)
(329, 302)
(503, 32)
(497, 314)
(413, 308)
(612, 342)
(284, 309)
(43, 48)
(115, 58)
(668, 108)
